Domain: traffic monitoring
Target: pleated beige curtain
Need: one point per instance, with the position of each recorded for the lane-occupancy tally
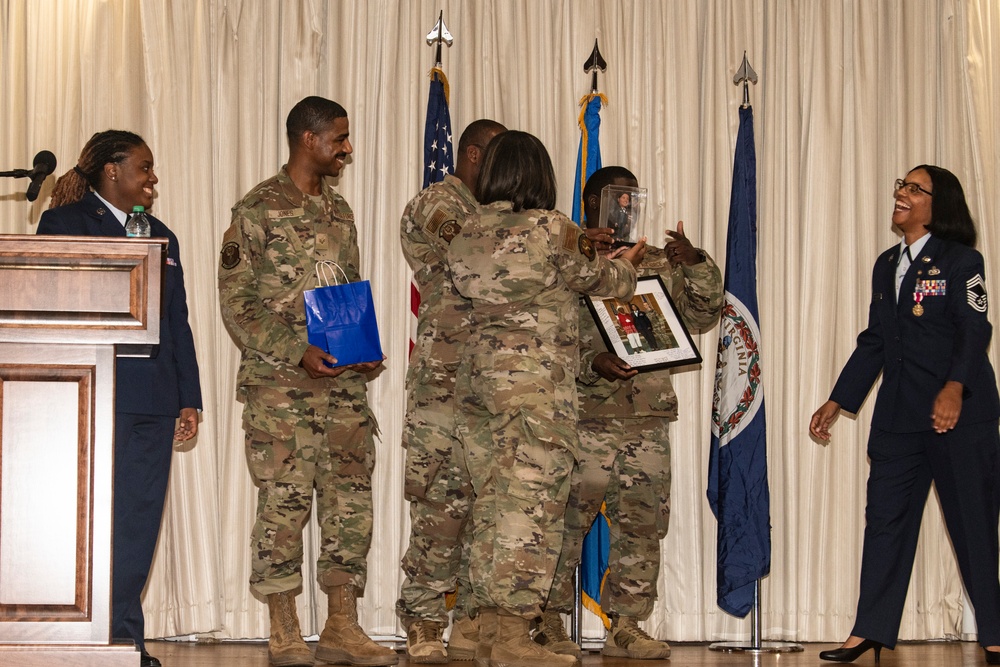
(851, 95)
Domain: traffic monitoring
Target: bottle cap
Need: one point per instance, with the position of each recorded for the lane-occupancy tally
(138, 209)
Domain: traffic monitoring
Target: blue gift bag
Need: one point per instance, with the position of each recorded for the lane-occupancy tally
(340, 318)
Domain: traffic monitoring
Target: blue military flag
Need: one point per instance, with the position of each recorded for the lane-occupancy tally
(588, 156)
(594, 564)
(597, 542)
(737, 468)
(439, 159)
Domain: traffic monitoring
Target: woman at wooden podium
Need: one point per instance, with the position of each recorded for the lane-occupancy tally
(157, 398)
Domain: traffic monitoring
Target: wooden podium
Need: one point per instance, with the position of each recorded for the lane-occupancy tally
(65, 302)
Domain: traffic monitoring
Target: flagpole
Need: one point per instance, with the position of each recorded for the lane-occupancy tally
(746, 75)
(588, 161)
(438, 155)
(756, 645)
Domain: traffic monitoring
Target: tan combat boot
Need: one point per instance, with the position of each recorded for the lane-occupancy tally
(285, 647)
(551, 634)
(627, 640)
(487, 618)
(424, 644)
(343, 642)
(513, 646)
(464, 637)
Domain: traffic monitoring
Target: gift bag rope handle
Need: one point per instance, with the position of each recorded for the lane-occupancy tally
(327, 271)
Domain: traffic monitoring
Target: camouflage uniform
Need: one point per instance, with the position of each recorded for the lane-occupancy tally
(301, 433)
(625, 451)
(437, 482)
(518, 407)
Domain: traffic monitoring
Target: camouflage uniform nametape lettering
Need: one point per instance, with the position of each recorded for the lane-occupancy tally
(287, 213)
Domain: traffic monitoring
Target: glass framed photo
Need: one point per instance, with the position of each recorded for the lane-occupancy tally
(646, 330)
(622, 209)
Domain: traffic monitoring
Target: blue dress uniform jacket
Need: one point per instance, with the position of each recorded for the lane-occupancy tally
(168, 382)
(149, 395)
(918, 354)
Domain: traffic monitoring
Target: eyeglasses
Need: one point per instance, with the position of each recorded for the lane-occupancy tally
(910, 188)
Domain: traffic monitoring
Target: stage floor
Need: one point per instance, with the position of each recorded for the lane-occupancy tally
(931, 654)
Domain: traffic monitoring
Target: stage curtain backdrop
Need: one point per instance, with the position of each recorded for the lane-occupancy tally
(851, 95)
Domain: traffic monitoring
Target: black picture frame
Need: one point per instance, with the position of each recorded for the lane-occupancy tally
(662, 341)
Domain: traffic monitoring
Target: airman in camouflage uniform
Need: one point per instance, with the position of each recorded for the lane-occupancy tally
(307, 426)
(437, 482)
(522, 269)
(625, 449)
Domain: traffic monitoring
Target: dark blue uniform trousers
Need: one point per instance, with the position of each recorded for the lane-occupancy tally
(143, 447)
(963, 465)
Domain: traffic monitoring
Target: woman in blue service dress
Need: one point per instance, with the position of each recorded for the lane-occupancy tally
(936, 414)
(157, 399)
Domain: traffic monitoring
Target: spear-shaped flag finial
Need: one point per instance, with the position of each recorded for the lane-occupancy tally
(439, 33)
(746, 76)
(594, 64)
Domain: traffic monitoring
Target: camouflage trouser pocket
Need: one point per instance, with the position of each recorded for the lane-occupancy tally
(420, 472)
(539, 477)
(262, 412)
(530, 514)
(663, 506)
(270, 439)
(268, 458)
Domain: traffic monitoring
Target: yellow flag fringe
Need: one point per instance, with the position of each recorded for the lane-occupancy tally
(444, 81)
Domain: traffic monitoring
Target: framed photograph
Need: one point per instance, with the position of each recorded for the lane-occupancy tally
(646, 330)
(622, 209)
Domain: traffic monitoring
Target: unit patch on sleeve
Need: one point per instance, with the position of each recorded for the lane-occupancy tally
(449, 230)
(975, 293)
(230, 255)
(586, 247)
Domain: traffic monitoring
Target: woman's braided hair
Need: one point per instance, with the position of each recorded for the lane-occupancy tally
(104, 147)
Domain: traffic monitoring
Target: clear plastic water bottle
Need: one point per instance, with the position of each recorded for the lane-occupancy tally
(138, 224)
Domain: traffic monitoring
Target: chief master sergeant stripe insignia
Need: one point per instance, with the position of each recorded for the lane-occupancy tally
(975, 292)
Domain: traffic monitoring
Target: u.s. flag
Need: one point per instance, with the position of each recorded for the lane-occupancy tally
(439, 159)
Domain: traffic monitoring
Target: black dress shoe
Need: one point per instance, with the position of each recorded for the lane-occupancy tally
(853, 653)
(148, 661)
(992, 657)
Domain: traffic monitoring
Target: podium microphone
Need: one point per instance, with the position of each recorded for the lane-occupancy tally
(43, 165)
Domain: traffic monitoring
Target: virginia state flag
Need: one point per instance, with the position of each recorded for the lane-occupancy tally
(737, 466)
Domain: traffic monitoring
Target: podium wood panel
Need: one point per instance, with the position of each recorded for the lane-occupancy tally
(80, 289)
(66, 303)
(56, 459)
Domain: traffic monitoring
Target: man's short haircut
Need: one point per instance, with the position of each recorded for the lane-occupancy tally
(604, 177)
(312, 114)
(478, 133)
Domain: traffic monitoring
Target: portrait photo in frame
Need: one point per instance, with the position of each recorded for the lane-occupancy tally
(646, 330)
(623, 209)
